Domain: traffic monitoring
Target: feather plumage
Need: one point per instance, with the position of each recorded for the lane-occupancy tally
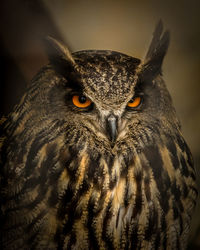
(64, 185)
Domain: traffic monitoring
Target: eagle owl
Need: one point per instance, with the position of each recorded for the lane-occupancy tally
(93, 157)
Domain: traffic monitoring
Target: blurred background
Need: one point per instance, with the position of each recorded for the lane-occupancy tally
(121, 25)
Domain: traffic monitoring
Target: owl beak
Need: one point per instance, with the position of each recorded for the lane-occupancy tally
(111, 127)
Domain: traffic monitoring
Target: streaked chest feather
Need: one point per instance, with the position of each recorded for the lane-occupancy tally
(122, 205)
(84, 200)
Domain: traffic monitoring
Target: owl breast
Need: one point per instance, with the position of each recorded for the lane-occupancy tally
(124, 199)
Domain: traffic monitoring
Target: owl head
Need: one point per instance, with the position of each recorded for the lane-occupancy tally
(102, 94)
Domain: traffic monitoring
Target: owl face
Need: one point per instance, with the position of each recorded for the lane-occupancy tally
(104, 96)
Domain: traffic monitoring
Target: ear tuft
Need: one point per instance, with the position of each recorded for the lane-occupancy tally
(57, 49)
(59, 56)
(152, 65)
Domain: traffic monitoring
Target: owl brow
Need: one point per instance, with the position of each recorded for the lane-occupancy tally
(139, 88)
(74, 82)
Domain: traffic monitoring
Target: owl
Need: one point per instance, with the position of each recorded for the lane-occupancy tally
(93, 156)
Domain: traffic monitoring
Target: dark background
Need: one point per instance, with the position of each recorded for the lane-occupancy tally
(121, 25)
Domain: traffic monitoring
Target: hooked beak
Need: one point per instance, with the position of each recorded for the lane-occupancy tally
(111, 127)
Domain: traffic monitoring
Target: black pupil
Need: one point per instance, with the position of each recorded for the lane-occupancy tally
(82, 99)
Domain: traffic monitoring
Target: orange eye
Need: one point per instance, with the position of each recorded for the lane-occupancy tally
(134, 102)
(81, 101)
